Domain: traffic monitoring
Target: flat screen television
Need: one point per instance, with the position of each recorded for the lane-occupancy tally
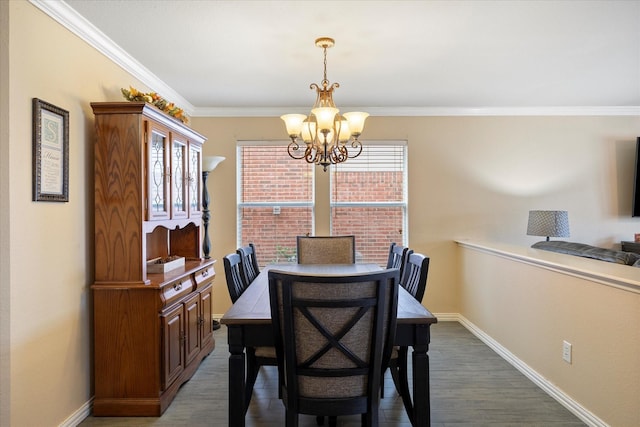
(635, 208)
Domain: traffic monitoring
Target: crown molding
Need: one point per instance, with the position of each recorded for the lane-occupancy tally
(78, 25)
(428, 111)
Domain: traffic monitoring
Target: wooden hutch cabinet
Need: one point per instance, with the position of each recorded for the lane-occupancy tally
(151, 328)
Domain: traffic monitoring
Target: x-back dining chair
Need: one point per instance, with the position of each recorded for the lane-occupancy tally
(333, 335)
(414, 280)
(326, 249)
(256, 356)
(397, 256)
(249, 260)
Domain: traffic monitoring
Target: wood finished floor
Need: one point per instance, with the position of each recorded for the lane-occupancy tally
(470, 386)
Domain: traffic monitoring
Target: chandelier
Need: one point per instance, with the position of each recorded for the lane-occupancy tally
(325, 132)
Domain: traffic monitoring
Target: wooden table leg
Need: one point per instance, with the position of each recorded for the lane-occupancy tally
(237, 377)
(421, 397)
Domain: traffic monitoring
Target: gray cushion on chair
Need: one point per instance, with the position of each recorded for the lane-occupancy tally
(326, 250)
(588, 251)
(333, 387)
(266, 352)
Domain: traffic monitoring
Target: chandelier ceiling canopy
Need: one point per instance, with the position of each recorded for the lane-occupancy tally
(328, 136)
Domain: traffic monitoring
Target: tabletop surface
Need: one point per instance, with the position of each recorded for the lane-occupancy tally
(253, 304)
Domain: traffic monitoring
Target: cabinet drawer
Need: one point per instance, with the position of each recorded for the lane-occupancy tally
(206, 274)
(177, 290)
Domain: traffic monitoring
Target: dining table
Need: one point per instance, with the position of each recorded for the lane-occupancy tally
(248, 323)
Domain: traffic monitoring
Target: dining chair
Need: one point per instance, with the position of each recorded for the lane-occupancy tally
(333, 336)
(414, 275)
(256, 356)
(326, 249)
(232, 271)
(249, 261)
(397, 256)
(396, 259)
(414, 280)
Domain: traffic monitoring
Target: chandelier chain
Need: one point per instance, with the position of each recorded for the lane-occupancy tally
(325, 81)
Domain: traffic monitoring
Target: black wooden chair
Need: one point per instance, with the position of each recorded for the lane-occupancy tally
(232, 271)
(414, 275)
(326, 249)
(334, 336)
(396, 259)
(258, 356)
(397, 256)
(414, 280)
(249, 261)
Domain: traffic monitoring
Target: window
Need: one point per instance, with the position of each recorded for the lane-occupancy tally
(276, 202)
(276, 199)
(369, 199)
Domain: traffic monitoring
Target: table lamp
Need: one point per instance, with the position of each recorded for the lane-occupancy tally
(548, 223)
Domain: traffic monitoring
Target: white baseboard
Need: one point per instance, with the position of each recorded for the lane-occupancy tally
(574, 407)
(78, 416)
(447, 317)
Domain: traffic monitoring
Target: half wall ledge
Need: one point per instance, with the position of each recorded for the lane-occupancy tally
(606, 273)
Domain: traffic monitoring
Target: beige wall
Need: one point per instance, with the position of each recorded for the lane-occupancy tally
(469, 177)
(5, 380)
(51, 245)
(531, 310)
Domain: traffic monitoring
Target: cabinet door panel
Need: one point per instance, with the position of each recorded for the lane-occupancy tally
(205, 309)
(192, 337)
(195, 180)
(172, 345)
(179, 178)
(158, 173)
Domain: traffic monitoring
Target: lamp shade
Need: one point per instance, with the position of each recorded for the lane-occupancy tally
(356, 121)
(548, 223)
(209, 163)
(324, 117)
(293, 122)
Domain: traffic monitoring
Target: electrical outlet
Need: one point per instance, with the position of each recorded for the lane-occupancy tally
(566, 351)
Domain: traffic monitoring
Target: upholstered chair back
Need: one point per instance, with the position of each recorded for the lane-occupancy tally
(326, 249)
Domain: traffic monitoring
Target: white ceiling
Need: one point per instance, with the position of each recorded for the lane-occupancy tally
(390, 57)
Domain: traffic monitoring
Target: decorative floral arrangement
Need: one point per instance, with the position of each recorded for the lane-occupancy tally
(133, 94)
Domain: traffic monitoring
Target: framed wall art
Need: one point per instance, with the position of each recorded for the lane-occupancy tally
(50, 152)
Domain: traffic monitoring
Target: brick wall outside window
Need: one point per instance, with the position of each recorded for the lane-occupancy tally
(270, 176)
(375, 227)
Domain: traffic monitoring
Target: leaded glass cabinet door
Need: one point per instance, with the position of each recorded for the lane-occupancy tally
(180, 179)
(195, 180)
(158, 176)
